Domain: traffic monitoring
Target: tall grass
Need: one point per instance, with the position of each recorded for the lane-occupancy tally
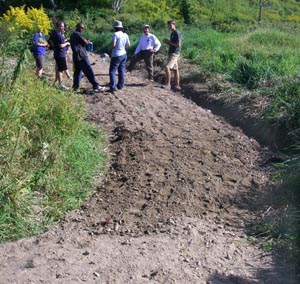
(48, 155)
(248, 58)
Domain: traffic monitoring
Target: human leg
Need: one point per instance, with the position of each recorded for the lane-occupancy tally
(133, 60)
(40, 62)
(61, 67)
(121, 71)
(114, 64)
(177, 79)
(89, 72)
(76, 76)
(67, 72)
(172, 64)
(148, 59)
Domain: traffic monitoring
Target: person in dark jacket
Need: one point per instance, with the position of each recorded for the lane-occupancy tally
(81, 61)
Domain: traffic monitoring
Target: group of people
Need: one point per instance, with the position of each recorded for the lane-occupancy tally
(148, 45)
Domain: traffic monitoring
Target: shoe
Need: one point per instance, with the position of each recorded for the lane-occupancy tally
(177, 88)
(167, 87)
(63, 87)
(112, 91)
(99, 89)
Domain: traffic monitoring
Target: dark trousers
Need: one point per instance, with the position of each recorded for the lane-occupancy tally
(148, 59)
(84, 66)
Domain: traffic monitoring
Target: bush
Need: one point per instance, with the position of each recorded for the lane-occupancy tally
(48, 156)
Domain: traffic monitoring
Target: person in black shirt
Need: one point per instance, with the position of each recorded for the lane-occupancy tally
(173, 55)
(81, 61)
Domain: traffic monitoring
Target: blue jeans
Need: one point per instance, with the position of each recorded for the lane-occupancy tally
(84, 66)
(117, 63)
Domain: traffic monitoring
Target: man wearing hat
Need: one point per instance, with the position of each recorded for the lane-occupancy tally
(147, 46)
(119, 43)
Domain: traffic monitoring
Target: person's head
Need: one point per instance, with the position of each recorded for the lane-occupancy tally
(146, 29)
(60, 26)
(172, 24)
(80, 27)
(118, 26)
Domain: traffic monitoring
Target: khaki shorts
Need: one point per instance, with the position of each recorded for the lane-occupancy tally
(172, 62)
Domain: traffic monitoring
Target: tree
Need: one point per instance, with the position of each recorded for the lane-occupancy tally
(262, 4)
(117, 4)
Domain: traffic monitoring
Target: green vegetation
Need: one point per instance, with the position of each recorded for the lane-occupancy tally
(48, 156)
(48, 153)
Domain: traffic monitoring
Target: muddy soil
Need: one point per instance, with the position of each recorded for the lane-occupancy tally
(181, 193)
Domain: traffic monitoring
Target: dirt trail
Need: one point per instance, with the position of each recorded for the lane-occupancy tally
(174, 206)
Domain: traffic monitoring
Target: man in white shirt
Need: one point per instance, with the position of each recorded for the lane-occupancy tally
(147, 46)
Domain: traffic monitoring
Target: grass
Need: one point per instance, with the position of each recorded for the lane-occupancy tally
(48, 158)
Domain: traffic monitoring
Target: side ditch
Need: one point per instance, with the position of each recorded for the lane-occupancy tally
(238, 113)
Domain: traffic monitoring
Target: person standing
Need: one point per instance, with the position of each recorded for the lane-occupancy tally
(81, 61)
(60, 46)
(173, 55)
(119, 43)
(39, 52)
(147, 46)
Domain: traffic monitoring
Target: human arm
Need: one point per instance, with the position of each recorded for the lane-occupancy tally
(63, 45)
(157, 44)
(40, 40)
(175, 44)
(139, 47)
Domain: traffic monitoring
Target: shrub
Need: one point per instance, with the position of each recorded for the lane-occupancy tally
(48, 156)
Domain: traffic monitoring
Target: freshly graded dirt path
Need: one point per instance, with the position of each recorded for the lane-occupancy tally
(181, 191)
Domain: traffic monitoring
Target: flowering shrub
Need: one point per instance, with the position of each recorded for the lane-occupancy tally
(21, 21)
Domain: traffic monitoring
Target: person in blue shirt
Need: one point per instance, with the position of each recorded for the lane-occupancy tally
(119, 43)
(147, 46)
(39, 52)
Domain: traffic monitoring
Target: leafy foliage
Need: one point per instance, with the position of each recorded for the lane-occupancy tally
(24, 21)
(48, 154)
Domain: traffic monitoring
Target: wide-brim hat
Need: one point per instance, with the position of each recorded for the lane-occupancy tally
(117, 24)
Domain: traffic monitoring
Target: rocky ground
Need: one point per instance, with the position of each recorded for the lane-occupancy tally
(177, 203)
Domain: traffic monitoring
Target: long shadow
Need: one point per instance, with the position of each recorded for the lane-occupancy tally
(222, 279)
(263, 276)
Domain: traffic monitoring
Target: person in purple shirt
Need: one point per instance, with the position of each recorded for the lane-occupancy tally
(60, 46)
(39, 52)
